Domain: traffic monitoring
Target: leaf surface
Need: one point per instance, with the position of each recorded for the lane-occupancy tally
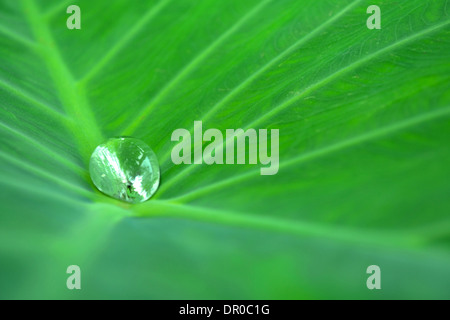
(364, 121)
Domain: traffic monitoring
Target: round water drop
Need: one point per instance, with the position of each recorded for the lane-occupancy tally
(126, 169)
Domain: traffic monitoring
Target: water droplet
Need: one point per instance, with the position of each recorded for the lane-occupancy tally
(126, 169)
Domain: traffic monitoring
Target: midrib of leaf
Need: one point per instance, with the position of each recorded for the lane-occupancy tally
(85, 129)
(389, 239)
(148, 108)
(325, 151)
(48, 111)
(358, 63)
(251, 78)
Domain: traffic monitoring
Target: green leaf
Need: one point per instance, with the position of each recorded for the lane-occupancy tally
(364, 118)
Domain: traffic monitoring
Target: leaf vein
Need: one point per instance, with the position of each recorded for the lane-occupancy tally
(317, 85)
(124, 40)
(348, 143)
(46, 150)
(85, 129)
(270, 64)
(189, 68)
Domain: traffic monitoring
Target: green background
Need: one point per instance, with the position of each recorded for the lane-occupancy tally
(364, 120)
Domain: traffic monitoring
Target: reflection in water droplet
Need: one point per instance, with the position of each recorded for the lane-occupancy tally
(126, 169)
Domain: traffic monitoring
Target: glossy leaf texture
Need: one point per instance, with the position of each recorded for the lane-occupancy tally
(364, 120)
